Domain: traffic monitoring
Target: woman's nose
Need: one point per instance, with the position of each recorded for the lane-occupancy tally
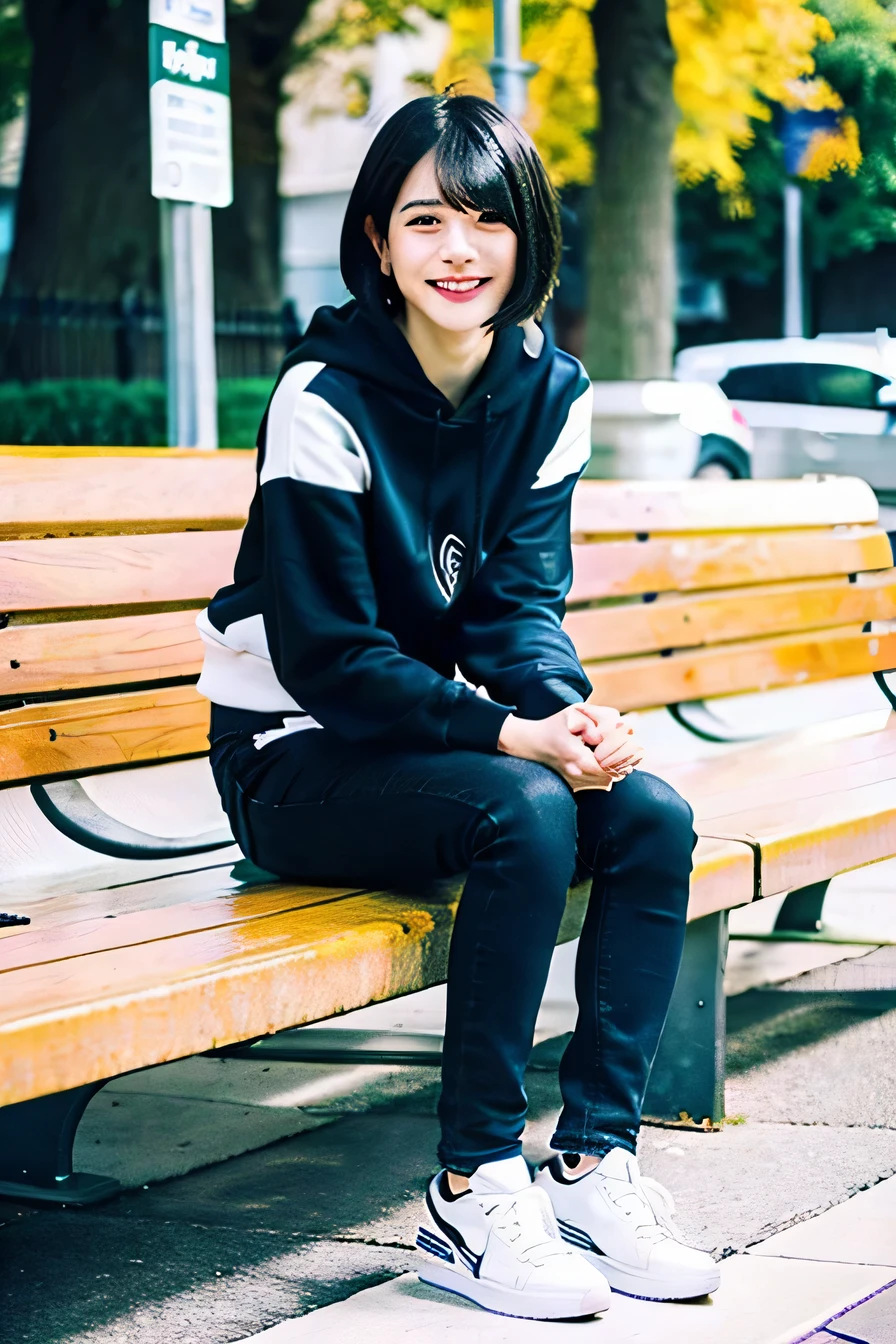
(457, 244)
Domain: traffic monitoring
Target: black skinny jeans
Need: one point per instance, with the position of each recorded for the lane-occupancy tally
(319, 810)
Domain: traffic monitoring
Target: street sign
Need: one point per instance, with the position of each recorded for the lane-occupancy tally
(798, 130)
(199, 18)
(189, 102)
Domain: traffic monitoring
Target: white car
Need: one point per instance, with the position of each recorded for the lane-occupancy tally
(662, 430)
(826, 404)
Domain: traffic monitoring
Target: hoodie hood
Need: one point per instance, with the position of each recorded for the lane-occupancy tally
(371, 347)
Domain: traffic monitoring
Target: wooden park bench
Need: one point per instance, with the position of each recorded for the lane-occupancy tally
(682, 592)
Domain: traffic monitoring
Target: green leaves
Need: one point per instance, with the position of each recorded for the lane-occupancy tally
(15, 60)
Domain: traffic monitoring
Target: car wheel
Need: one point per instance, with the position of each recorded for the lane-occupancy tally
(722, 460)
(714, 471)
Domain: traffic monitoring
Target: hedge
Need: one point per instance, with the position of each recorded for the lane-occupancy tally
(105, 413)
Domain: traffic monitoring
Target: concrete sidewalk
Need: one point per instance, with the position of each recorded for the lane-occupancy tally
(314, 1233)
(287, 1196)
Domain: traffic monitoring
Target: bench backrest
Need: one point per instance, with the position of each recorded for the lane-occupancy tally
(681, 590)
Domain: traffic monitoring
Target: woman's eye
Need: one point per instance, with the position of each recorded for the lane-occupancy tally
(491, 217)
(423, 219)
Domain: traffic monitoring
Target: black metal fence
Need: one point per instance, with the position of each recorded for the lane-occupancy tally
(76, 338)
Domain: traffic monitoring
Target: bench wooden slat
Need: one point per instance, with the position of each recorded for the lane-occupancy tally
(759, 795)
(65, 655)
(149, 490)
(96, 732)
(83, 573)
(102, 920)
(723, 560)
(125, 890)
(755, 665)
(816, 802)
(38, 945)
(607, 508)
(63, 1023)
(673, 621)
(806, 840)
(784, 764)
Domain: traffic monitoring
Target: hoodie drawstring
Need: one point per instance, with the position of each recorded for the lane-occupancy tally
(431, 476)
(480, 467)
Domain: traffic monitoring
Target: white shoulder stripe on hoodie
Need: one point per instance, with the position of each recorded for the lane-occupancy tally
(573, 447)
(309, 441)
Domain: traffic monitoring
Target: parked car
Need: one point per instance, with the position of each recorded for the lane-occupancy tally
(825, 404)
(662, 430)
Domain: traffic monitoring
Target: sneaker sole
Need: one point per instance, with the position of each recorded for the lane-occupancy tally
(508, 1302)
(632, 1284)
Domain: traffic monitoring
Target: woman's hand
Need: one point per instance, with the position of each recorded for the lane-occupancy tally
(563, 742)
(615, 747)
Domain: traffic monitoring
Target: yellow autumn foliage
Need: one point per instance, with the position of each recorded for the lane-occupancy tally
(733, 55)
(562, 108)
(826, 152)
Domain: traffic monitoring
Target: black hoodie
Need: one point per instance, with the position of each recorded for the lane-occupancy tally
(394, 541)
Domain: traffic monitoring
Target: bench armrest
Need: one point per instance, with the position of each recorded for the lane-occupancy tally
(73, 812)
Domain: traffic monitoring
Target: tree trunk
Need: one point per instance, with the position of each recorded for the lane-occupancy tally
(631, 267)
(86, 225)
(247, 234)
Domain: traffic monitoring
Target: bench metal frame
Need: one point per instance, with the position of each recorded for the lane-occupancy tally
(72, 811)
(36, 1143)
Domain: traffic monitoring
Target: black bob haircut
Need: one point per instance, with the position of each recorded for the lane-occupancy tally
(483, 161)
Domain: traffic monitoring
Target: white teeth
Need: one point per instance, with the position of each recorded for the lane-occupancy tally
(460, 286)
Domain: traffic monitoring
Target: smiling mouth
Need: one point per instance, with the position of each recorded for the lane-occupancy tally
(465, 284)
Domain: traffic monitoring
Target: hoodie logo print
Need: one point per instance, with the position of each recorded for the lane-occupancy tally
(451, 557)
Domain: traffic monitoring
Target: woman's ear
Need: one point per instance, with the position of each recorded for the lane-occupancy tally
(380, 246)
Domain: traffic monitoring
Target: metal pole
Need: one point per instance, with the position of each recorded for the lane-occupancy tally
(510, 73)
(793, 260)
(189, 325)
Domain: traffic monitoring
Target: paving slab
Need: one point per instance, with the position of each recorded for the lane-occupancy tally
(774, 1305)
(180, 1117)
(872, 1322)
(809, 1051)
(70, 1280)
(861, 1231)
(136, 1143)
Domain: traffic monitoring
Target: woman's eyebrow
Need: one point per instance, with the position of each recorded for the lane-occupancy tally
(411, 205)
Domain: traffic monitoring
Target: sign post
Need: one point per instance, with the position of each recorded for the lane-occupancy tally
(510, 73)
(799, 130)
(189, 75)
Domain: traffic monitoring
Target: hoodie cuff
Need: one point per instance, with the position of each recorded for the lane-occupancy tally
(541, 699)
(475, 723)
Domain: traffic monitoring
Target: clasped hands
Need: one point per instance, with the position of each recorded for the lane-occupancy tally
(590, 746)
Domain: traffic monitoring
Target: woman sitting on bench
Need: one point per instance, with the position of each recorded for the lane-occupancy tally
(412, 519)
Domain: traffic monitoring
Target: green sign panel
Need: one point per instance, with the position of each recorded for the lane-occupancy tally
(189, 109)
(188, 60)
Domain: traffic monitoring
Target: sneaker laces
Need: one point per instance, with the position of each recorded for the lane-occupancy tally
(663, 1205)
(527, 1223)
(646, 1196)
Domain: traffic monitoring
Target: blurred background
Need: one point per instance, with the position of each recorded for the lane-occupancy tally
(727, 173)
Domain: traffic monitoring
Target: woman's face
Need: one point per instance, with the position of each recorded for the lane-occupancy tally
(455, 267)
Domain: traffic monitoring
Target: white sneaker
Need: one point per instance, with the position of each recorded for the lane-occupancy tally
(498, 1244)
(622, 1222)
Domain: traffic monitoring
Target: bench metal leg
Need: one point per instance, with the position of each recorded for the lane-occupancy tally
(36, 1141)
(687, 1080)
(800, 920)
(801, 911)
